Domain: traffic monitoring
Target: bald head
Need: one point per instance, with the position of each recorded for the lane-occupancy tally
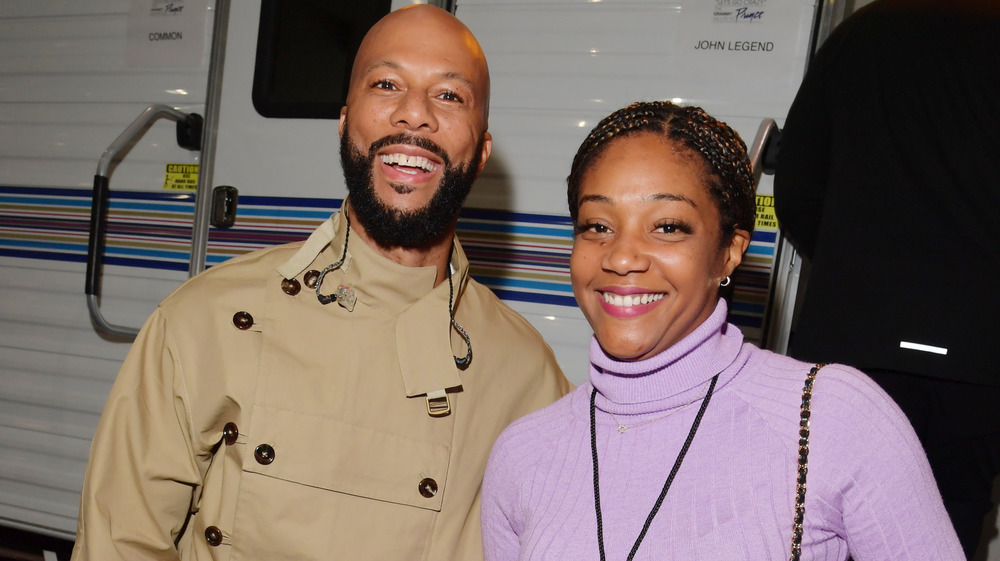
(434, 38)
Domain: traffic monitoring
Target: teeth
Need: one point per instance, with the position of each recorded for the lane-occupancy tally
(631, 299)
(408, 161)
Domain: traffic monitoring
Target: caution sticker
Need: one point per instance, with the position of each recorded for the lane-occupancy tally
(183, 177)
(766, 219)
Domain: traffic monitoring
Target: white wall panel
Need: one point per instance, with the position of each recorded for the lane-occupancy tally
(66, 92)
(557, 68)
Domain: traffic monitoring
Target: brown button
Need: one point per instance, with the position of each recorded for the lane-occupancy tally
(311, 277)
(264, 454)
(290, 287)
(213, 536)
(243, 320)
(428, 487)
(230, 432)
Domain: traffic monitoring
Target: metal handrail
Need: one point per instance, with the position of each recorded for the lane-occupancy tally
(758, 149)
(202, 201)
(99, 211)
(776, 325)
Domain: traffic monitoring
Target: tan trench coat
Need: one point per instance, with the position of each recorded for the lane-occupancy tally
(301, 430)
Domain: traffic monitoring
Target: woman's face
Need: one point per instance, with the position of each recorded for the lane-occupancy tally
(647, 262)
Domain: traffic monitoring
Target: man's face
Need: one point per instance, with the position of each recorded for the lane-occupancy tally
(417, 111)
(393, 227)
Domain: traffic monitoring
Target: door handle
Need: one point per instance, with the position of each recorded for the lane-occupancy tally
(189, 127)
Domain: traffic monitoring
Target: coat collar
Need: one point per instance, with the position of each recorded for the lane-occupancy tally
(424, 339)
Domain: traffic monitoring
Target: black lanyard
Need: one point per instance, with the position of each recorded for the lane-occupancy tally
(666, 486)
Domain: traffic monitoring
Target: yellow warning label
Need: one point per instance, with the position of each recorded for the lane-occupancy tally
(766, 219)
(181, 177)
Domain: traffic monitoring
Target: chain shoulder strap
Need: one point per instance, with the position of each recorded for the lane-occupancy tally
(800, 486)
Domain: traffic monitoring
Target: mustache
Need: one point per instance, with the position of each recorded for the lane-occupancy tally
(412, 140)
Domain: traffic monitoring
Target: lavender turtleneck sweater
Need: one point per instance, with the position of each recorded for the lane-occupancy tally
(870, 493)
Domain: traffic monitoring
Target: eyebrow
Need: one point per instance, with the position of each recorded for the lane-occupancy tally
(460, 77)
(392, 65)
(652, 198)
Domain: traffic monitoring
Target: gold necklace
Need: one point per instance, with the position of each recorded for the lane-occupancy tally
(623, 427)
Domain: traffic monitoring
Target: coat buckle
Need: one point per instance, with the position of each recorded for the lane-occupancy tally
(438, 404)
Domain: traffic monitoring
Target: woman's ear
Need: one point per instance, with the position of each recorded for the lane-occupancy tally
(734, 250)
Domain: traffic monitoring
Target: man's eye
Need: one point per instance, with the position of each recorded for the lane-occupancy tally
(384, 85)
(451, 96)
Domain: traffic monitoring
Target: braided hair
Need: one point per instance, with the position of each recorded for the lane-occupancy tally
(720, 149)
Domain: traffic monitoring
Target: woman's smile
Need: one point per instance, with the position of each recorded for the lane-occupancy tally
(624, 304)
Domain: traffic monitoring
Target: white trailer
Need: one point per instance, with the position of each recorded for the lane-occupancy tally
(102, 85)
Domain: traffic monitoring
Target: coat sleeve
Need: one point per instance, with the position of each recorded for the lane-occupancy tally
(143, 471)
(800, 179)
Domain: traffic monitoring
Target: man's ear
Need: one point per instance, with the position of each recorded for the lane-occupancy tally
(486, 151)
(343, 119)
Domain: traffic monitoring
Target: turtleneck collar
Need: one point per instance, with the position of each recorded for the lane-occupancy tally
(672, 378)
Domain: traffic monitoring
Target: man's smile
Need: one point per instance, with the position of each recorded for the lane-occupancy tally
(408, 164)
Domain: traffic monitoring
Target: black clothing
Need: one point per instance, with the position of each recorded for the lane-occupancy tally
(887, 182)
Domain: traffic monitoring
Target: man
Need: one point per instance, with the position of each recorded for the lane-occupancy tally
(887, 182)
(336, 397)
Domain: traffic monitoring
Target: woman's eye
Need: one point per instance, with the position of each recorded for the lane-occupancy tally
(673, 228)
(595, 227)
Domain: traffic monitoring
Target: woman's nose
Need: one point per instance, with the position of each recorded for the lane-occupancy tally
(624, 255)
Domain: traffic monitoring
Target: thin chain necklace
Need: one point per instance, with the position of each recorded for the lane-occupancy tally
(666, 485)
(623, 427)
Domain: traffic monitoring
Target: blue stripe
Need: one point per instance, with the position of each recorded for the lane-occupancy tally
(187, 208)
(46, 201)
(508, 216)
(514, 229)
(151, 196)
(82, 246)
(332, 204)
(49, 256)
(760, 250)
(88, 193)
(45, 190)
(506, 251)
(212, 259)
(765, 236)
(163, 254)
(147, 263)
(529, 284)
(267, 212)
(533, 297)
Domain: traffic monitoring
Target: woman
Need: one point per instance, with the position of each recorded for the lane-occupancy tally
(663, 206)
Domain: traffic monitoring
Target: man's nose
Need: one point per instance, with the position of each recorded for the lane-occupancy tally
(415, 111)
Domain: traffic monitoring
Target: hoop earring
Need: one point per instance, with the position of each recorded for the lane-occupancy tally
(726, 282)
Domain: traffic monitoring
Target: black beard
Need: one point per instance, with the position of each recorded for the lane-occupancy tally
(389, 227)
